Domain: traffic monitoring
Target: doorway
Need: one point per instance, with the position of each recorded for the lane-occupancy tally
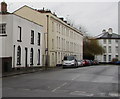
(26, 57)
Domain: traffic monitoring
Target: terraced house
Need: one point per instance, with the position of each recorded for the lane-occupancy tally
(60, 37)
(20, 41)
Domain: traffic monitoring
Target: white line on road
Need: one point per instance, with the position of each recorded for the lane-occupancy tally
(59, 87)
(26, 89)
(75, 77)
(81, 93)
(113, 94)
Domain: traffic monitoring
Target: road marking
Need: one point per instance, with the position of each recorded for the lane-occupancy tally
(26, 89)
(59, 87)
(75, 77)
(82, 93)
(113, 94)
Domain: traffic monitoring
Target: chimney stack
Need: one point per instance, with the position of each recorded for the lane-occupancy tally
(3, 7)
(110, 31)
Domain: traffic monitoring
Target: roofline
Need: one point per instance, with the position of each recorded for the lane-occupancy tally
(51, 14)
(107, 38)
(24, 18)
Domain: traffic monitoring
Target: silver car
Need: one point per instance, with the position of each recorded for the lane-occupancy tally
(80, 62)
(69, 61)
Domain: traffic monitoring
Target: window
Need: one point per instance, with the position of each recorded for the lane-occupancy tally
(39, 38)
(32, 37)
(109, 41)
(31, 56)
(52, 43)
(62, 43)
(109, 49)
(116, 49)
(109, 57)
(19, 55)
(38, 56)
(57, 27)
(116, 56)
(104, 41)
(52, 26)
(57, 42)
(105, 49)
(116, 41)
(19, 34)
(53, 58)
(104, 58)
(2, 29)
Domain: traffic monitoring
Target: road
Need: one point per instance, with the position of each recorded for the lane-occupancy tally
(91, 81)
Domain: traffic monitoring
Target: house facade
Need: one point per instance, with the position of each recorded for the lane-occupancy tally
(110, 42)
(21, 41)
(60, 37)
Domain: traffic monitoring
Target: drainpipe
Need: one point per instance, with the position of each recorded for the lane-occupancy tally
(47, 56)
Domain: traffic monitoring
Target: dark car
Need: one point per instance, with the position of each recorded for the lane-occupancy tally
(117, 62)
(91, 62)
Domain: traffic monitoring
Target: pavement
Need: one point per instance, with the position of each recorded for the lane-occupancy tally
(32, 70)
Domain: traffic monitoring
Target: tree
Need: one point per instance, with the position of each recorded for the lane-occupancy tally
(91, 47)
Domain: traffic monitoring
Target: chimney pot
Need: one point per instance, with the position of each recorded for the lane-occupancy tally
(103, 31)
(110, 31)
(3, 7)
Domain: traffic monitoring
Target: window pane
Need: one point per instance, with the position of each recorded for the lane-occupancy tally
(39, 38)
(2, 28)
(32, 37)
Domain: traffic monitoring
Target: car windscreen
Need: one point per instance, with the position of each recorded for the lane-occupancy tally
(69, 58)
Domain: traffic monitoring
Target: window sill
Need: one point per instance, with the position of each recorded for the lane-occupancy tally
(3, 34)
(18, 64)
(31, 64)
(19, 40)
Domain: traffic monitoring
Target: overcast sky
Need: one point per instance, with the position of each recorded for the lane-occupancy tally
(94, 16)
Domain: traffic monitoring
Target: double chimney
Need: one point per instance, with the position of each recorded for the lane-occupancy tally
(3, 7)
(110, 31)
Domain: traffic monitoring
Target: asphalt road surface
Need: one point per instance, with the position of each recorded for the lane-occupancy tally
(90, 81)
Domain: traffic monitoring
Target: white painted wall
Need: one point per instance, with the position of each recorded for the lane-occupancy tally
(7, 40)
(113, 50)
(10, 40)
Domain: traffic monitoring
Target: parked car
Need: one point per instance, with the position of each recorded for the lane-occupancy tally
(95, 62)
(117, 62)
(69, 61)
(91, 62)
(80, 62)
(86, 62)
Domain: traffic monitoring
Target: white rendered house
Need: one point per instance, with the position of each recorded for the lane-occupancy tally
(22, 42)
(109, 41)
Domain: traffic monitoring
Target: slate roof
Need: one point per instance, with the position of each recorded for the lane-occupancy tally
(108, 36)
